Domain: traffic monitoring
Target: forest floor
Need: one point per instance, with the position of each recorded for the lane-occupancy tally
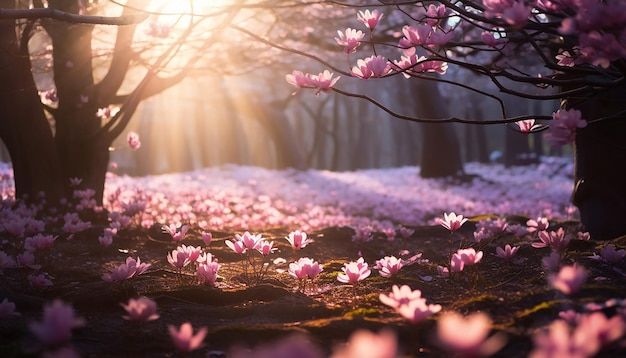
(244, 312)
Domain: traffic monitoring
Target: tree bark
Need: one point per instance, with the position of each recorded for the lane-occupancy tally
(600, 150)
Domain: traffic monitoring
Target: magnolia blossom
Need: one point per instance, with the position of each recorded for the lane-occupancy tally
(305, 267)
(556, 240)
(140, 310)
(237, 246)
(265, 247)
(507, 253)
(364, 344)
(370, 18)
(468, 336)
(207, 271)
(126, 270)
(354, 272)
(540, 224)
(350, 40)
(565, 59)
(490, 39)
(40, 280)
(184, 340)
(435, 14)
(298, 240)
(57, 324)
(389, 265)
(206, 238)
(373, 66)
(412, 64)
(6, 261)
(569, 280)
(611, 255)
(323, 82)
(133, 140)
(415, 36)
(452, 221)
(409, 304)
(178, 258)
(563, 128)
(465, 257)
(527, 125)
(177, 233)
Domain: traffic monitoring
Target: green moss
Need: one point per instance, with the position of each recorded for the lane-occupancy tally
(545, 305)
(363, 312)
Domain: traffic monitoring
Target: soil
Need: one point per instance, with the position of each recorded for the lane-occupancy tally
(245, 311)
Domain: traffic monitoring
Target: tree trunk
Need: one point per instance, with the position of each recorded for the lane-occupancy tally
(600, 150)
(24, 128)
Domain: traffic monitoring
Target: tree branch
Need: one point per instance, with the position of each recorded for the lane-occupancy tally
(50, 13)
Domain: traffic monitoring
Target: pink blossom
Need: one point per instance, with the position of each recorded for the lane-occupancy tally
(611, 255)
(413, 65)
(409, 304)
(440, 38)
(299, 79)
(57, 324)
(140, 310)
(133, 140)
(507, 253)
(27, 258)
(6, 261)
(565, 59)
(517, 15)
(563, 128)
(465, 257)
(490, 39)
(362, 233)
(15, 227)
(415, 36)
(250, 241)
(127, 270)
(435, 14)
(389, 265)
(184, 340)
(7, 309)
(370, 18)
(265, 247)
(556, 240)
(405, 232)
(354, 272)
(305, 267)
(298, 240)
(192, 252)
(373, 66)
(528, 125)
(569, 280)
(237, 246)
(158, 29)
(452, 222)
(323, 82)
(350, 40)
(540, 224)
(364, 344)
(468, 336)
(40, 280)
(178, 258)
(207, 271)
(206, 238)
(177, 234)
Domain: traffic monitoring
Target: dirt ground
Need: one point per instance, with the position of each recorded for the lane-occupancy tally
(247, 312)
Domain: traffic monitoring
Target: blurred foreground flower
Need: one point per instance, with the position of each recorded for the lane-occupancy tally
(468, 336)
(365, 344)
(140, 310)
(569, 280)
(7, 309)
(126, 270)
(409, 304)
(57, 324)
(184, 339)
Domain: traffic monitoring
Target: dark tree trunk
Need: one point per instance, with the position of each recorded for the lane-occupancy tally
(24, 128)
(600, 151)
(517, 149)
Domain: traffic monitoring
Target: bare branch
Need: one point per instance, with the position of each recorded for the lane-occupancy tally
(50, 13)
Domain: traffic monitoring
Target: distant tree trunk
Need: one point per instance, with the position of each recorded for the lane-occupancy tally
(517, 149)
(600, 150)
(441, 151)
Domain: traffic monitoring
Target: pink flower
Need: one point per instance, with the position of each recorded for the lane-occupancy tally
(373, 66)
(465, 257)
(140, 310)
(517, 14)
(158, 30)
(299, 79)
(206, 238)
(411, 64)
(354, 272)
(370, 18)
(389, 265)
(452, 222)
(415, 36)
(507, 253)
(528, 125)
(350, 40)
(6, 261)
(563, 128)
(207, 271)
(237, 246)
(468, 336)
(57, 324)
(184, 339)
(177, 234)
(27, 258)
(133, 140)
(556, 240)
(7, 309)
(569, 280)
(305, 267)
(565, 59)
(611, 255)
(126, 270)
(178, 258)
(409, 304)
(192, 252)
(435, 14)
(298, 240)
(40, 280)
(249, 240)
(323, 82)
(39, 242)
(540, 224)
(265, 247)
(364, 344)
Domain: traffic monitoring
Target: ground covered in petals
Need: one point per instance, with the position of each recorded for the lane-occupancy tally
(255, 302)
